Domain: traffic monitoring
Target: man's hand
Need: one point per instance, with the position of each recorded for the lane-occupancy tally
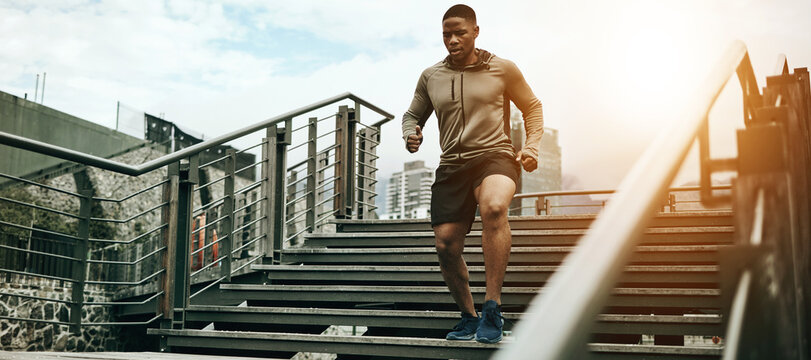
(529, 163)
(413, 142)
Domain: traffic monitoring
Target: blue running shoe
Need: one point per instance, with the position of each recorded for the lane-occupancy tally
(465, 329)
(492, 322)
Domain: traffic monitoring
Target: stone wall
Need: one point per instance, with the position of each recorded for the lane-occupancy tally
(40, 336)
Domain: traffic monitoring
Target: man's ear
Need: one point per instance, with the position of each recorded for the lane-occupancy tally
(476, 31)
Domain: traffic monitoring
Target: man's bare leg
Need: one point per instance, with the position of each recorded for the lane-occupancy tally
(494, 195)
(450, 243)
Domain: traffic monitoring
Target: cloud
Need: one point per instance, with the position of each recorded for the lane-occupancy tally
(611, 75)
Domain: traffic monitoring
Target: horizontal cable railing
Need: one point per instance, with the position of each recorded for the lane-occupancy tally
(193, 218)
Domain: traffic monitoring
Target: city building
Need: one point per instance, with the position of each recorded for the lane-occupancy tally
(408, 192)
(548, 177)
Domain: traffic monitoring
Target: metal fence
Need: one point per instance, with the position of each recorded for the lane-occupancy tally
(188, 226)
(679, 199)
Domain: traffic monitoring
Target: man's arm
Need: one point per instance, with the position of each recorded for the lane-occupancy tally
(521, 94)
(419, 111)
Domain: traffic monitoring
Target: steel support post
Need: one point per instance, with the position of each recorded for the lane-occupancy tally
(80, 253)
(228, 215)
(350, 169)
(541, 206)
(671, 200)
(169, 240)
(267, 191)
(182, 281)
(345, 162)
(278, 139)
(322, 160)
(312, 149)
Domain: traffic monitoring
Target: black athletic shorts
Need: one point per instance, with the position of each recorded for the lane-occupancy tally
(452, 197)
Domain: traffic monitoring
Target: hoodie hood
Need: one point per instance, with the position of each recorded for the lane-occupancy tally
(483, 62)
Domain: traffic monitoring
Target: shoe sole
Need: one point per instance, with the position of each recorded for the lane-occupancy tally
(488, 341)
(457, 338)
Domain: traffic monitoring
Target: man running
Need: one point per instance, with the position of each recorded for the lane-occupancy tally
(470, 92)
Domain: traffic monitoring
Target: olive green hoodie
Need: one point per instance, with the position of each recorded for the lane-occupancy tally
(472, 104)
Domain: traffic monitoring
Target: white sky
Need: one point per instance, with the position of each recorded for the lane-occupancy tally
(610, 74)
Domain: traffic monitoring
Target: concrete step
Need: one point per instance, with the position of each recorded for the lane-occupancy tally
(623, 351)
(653, 236)
(677, 219)
(661, 254)
(260, 342)
(707, 325)
(688, 299)
(654, 274)
(336, 344)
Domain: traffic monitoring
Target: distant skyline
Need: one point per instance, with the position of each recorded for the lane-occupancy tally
(610, 74)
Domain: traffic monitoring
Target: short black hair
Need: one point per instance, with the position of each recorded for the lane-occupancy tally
(462, 11)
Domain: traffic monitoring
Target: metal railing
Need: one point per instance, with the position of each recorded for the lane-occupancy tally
(767, 273)
(558, 323)
(187, 226)
(684, 198)
(82, 258)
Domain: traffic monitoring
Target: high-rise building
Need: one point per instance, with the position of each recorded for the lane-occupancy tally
(548, 177)
(408, 192)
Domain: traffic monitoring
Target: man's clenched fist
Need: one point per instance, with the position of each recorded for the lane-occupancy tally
(413, 142)
(526, 161)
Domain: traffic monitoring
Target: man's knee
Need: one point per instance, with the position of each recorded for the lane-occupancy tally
(449, 241)
(448, 247)
(494, 210)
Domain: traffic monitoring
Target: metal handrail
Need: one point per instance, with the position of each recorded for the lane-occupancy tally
(606, 191)
(135, 170)
(564, 313)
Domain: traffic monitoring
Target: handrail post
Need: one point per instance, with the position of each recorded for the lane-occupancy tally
(541, 206)
(278, 139)
(169, 239)
(312, 149)
(321, 161)
(182, 279)
(672, 202)
(228, 213)
(80, 253)
(345, 162)
(265, 205)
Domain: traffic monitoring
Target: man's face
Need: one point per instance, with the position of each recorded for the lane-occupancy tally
(459, 36)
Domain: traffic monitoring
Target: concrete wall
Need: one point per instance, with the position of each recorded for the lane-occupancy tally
(26, 118)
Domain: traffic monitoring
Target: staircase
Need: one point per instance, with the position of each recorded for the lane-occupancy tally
(372, 289)
(382, 278)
